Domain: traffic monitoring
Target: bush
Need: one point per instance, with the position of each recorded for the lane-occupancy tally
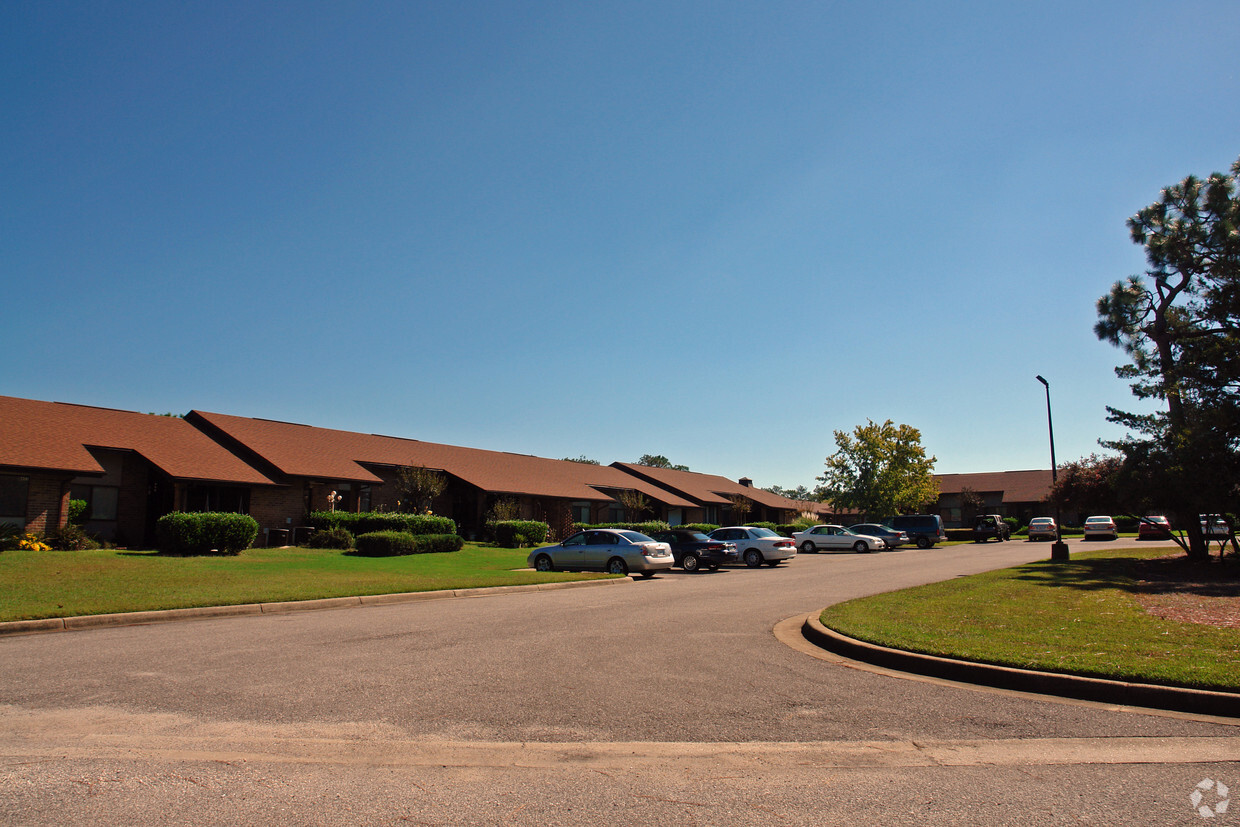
(771, 526)
(77, 511)
(647, 528)
(186, 534)
(367, 522)
(400, 543)
(335, 537)
(517, 533)
(705, 528)
(70, 538)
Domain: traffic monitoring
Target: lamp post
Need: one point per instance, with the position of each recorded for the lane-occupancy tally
(1059, 550)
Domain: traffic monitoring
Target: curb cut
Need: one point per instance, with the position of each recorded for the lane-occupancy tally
(64, 624)
(1122, 693)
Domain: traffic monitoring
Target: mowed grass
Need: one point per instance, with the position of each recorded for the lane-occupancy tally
(1082, 617)
(46, 584)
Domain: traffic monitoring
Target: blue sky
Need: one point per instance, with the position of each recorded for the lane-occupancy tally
(714, 231)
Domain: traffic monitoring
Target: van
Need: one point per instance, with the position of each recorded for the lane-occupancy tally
(923, 529)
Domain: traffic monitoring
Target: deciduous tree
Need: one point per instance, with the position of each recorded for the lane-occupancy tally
(879, 470)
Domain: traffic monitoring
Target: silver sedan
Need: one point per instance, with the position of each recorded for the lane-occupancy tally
(615, 551)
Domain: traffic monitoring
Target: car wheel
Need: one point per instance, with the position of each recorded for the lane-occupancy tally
(923, 542)
(861, 546)
(691, 563)
(617, 566)
(543, 563)
(809, 548)
(753, 558)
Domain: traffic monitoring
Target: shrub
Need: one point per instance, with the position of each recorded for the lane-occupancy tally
(185, 533)
(367, 522)
(77, 511)
(771, 526)
(70, 538)
(517, 533)
(336, 537)
(649, 527)
(10, 536)
(705, 528)
(399, 543)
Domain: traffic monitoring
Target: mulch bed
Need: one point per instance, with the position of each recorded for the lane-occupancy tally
(1177, 589)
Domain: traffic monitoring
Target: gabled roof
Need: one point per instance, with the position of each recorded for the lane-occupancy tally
(706, 489)
(1016, 486)
(323, 453)
(54, 436)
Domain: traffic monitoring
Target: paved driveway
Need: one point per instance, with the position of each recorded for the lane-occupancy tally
(667, 701)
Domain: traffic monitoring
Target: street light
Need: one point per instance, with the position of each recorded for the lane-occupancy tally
(1059, 551)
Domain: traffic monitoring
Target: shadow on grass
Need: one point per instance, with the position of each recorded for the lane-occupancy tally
(1135, 575)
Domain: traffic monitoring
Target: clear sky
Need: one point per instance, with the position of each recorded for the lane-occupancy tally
(714, 231)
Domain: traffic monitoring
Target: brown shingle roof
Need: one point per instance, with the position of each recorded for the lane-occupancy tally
(323, 453)
(707, 489)
(1017, 486)
(54, 436)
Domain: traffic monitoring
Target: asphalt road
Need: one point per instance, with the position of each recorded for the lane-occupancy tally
(668, 701)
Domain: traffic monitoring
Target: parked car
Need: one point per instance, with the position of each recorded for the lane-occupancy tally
(986, 526)
(1101, 527)
(757, 545)
(617, 551)
(693, 549)
(1042, 528)
(889, 535)
(836, 538)
(1154, 528)
(923, 529)
(1213, 526)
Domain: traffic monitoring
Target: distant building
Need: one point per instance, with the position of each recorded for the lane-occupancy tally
(1019, 494)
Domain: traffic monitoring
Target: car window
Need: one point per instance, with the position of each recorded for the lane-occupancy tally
(600, 538)
(693, 537)
(762, 532)
(578, 539)
(634, 536)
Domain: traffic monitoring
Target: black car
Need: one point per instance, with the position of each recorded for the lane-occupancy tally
(986, 526)
(693, 549)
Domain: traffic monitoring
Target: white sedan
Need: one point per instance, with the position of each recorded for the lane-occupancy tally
(836, 538)
(757, 545)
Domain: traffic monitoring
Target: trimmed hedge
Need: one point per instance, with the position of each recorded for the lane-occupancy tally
(336, 537)
(399, 543)
(188, 534)
(646, 528)
(705, 528)
(367, 522)
(518, 533)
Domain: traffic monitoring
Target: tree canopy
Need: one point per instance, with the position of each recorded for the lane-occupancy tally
(659, 461)
(1180, 326)
(879, 470)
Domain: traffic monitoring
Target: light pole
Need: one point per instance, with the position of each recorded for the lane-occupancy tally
(1059, 550)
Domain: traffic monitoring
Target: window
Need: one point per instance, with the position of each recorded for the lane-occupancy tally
(580, 511)
(101, 501)
(217, 498)
(13, 492)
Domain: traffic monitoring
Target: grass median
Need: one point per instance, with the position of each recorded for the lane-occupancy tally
(1092, 616)
(43, 584)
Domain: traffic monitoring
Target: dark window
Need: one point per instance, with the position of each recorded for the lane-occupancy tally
(101, 501)
(13, 493)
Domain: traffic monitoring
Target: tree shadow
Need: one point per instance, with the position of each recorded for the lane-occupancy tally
(1161, 575)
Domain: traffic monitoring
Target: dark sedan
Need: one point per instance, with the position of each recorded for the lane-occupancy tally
(693, 549)
(892, 537)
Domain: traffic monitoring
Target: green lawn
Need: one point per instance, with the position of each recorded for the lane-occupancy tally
(36, 584)
(1081, 617)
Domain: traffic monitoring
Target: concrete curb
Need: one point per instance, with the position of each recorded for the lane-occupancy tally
(1121, 693)
(62, 624)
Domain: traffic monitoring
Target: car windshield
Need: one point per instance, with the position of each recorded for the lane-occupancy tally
(762, 532)
(635, 537)
(693, 536)
(1098, 520)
